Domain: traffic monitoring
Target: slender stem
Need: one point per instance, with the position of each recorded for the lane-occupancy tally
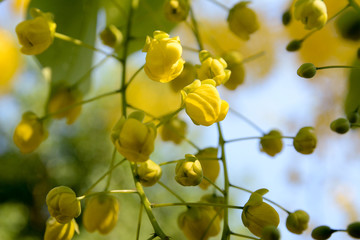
(253, 57)
(79, 103)
(167, 117)
(355, 125)
(139, 223)
(210, 224)
(220, 5)
(191, 143)
(104, 192)
(354, 5)
(248, 121)
(196, 204)
(250, 138)
(134, 75)
(190, 49)
(111, 166)
(244, 236)
(270, 201)
(82, 44)
(138, 109)
(212, 183)
(170, 162)
(172, 192)
(103, 176)
(337, 66)
(196, 29)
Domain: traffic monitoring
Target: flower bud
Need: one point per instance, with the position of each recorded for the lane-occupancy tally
(271, 143)
(29, 133)
(58, 231)
(305, 140)
(195, 222)
(322, 233)
(297, 222)
(176, 10)
(236, 66)
(213, 198)
(188, 172)
(133, 139)
(353, 229)
(101, 213)
(347, 24)
(306, 70)
(340, 125)
(174, 130)
(294, 45)
(354, 117)
(242, 20)
(186, 77)
(212, 68)
(286, 17)
(149, 173)
(312, 13)
(62, 101)
(111, 36)
(257, 214)
(210, 168)
(270, 233)
(36, 35)
(163, 58)
(63, 204)
(203, 103)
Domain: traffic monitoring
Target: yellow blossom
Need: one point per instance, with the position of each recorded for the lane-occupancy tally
(101, 213)
(163, 58)
(58, 231)
(36, 35)
(257, 214)
(210, 165)
(29, 133)
(63, 204)
(134, 139)
(235, 65)
(312, 13)
(176, 10)
(188, 172)
(149, 173)
(203, 103)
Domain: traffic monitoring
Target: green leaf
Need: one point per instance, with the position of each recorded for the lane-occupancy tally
(352, 101)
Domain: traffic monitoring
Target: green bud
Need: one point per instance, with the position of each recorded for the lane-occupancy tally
(294, 45)
(271, 143)
(322, 233)
(297, 222)
(305, 140)
(111, 36)
(347, 25)
(286, 17)
(354, 229)
(270, 233)
(353, 117)
(307, 70)
(340, 125)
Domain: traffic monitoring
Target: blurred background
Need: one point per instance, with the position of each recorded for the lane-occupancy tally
(325, 184)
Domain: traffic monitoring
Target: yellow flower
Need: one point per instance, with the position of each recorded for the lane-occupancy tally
(305, 140)
(203, 103)
(212, 68)
(163, 58)
(297, 222)
(242, 20)
(58, 231)
(61, 100)
(111, 36)
(149, 173)
(188, 172)
(134, 139)
(63, 204)
(271, 143)
(186, 77)
(211, 168)
(101, 213)
(236, 66)
(36, 35)
(195, 221)
(312, 13)
(29, 133)
(176, 10)
(174, 130)
(257, 214)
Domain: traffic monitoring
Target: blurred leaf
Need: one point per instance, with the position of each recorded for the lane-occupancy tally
(76, 19)
(353, 96)
(147, 18)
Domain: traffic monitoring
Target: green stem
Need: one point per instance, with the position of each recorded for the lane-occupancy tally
(167, 117)
(139, 223)
(190, 49)
(354, 5)
(171, 191)
(337, 66)
(212, 183)
(248, 121)
(196, 29)
(138, 109)
(210, 224)
(220, 5)
(253, 57)
(105, 192)
(270, 201)
(355, 125)
(170, 162)
(82, 44)
(134, 75)
(111, 166)
(195, 204)
(250, 138)
(191, 143)
(244, 236)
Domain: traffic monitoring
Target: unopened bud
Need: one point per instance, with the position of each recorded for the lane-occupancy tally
(297, 222)
(111, 36)
(189, 171)
(286, 17)
(307, 70)
(305, 140)
(270, 233)
(353, 229)
(322, 233)
(340, 125)
(294, 45)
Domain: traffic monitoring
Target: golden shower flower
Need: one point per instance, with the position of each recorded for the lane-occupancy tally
(257, 214)
(203, 103)
(297, 222)
(236, 66)
(149, 173)
(101, 213)
(271, 143)
(61, 100)
(212, 68)
(29, 133)
(305, 140)
(134, 139)
(210, 165)
(312, 13)
(242, 20)
(174, 130)
(58, 231)
(36, 35)
(176, 10)
(188, 172)
(195, 221)
(163, 58)
(63, 204)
